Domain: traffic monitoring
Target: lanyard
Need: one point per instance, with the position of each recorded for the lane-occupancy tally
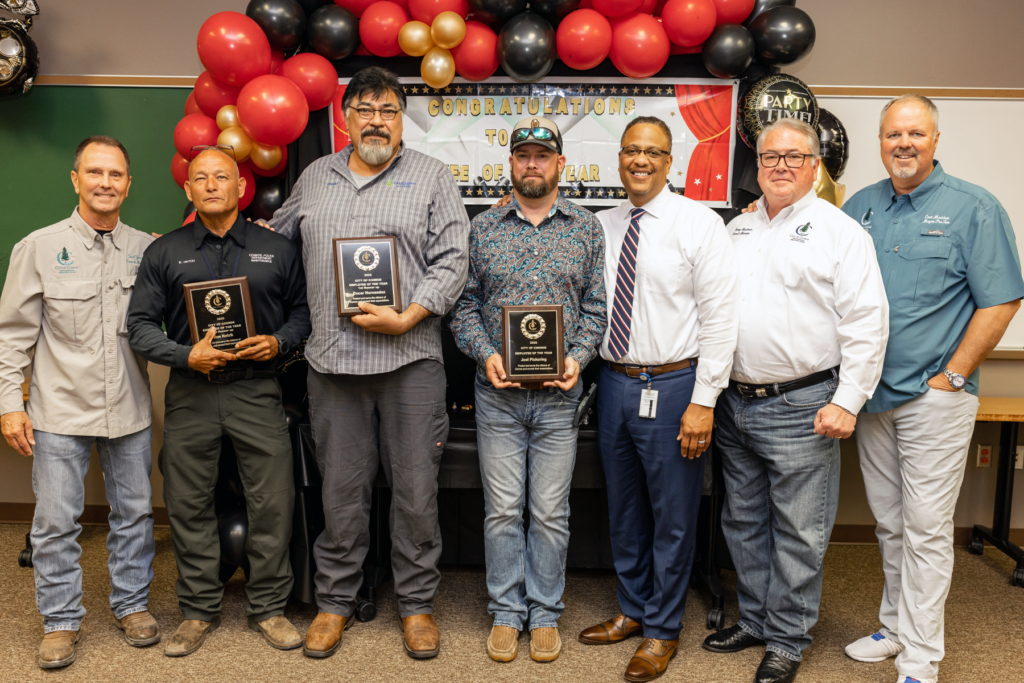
(238, 256)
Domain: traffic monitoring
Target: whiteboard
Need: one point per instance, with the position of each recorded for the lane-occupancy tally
(975, 145)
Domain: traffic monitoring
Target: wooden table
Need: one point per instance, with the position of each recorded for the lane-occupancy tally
(1010, 413)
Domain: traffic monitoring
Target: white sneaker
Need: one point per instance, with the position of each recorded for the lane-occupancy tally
(874, 648)
(911, 679)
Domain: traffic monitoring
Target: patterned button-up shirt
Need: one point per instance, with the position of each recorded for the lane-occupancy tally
(512, 262)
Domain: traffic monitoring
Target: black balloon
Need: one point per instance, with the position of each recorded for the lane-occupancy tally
(19, 60)
(835, 146)
(526, 47)
(233, 529)
(765, 5)
(553, 10)
(728, 51)
(490, 11)
(333, 32)
(310, 6)
(270, 195)
(284, 22)
(782, 35)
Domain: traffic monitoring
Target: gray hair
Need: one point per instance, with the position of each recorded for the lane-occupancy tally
(106, 141)
(917, 99)
(813, 143)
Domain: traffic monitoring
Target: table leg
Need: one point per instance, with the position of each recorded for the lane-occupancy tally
(999, 534)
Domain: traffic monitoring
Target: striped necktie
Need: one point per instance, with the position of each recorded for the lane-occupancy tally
(625, 281)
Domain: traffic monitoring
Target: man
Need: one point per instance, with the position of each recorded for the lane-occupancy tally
(376, 380)
(211, 393)
(952, 274)
(66, 297)
(671, 281)
(541, 249)
(812, 332)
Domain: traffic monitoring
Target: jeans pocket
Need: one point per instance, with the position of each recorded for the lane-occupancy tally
(814, 396)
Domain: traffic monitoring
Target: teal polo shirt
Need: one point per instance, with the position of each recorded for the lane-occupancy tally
(945, 250)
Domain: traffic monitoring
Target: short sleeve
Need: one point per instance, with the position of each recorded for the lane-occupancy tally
(993, 267)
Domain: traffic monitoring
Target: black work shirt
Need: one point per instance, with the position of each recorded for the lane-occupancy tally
(272, 264)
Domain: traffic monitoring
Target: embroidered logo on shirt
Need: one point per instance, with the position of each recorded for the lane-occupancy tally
(936, 232)
(400, 183)
(865, 220)
(742, 231)
(64, 257)
(261, 258)
(65, 262)
(191, 260)
(802, 233)
(941, 220)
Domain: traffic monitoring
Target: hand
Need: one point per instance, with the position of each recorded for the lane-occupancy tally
(834, 422)
(204, 358)
(495, 370)
(940, 383)
(381, 319)
(571, 375)
(156, 234)
(751, 207)
(17, 430)
(504, 201)
(261, 347)
(695, 430)
(262, 223)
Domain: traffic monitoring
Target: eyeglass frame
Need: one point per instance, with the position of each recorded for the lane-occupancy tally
(375, 112)
(206, 148)
(760, 159)
(624, 151)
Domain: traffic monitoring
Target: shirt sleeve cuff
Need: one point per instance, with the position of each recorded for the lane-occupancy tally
(850, 398)
(705, 396)
(12, 403)
(181, 354)
(435, 302)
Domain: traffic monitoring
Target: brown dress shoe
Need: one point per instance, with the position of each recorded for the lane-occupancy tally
(278, 632)
(618, 629)
(190, 636)
(323, 637)
(422, 640)
(57, 649)
(140, 628)
(545, 645)
(650, 659)
(503, 643)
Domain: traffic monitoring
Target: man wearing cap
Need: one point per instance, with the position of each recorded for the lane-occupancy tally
(537, 249)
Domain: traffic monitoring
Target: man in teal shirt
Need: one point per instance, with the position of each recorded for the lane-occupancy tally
(952, 275)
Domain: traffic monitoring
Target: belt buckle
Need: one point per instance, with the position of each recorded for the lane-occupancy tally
(219, 379)
(761, 392)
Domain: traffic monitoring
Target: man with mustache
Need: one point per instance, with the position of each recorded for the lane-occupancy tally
(376, 380)
(953, 279)
(538, 249)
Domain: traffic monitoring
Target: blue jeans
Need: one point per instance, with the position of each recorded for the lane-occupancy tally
(782, 491)
(58, 480)
(526, 437)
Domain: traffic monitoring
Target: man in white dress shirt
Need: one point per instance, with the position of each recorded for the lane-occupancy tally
(670, 277)
(813, 323)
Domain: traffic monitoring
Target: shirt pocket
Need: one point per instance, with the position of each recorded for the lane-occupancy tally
(925, 263)
(71, 310)
(126, 285)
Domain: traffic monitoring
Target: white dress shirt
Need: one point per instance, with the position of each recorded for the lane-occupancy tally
(811, 298)
(684, 301)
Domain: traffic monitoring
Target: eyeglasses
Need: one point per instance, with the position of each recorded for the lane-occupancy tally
(653, 154)
(366, 113)
(769, 160)
(538, 133)
(196, 150)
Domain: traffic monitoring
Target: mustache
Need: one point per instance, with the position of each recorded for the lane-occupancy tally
(375, 131)
(909, 151)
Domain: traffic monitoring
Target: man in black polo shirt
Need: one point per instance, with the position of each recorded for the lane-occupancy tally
(211, 393)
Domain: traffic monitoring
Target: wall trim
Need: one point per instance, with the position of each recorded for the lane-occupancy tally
(120, 81)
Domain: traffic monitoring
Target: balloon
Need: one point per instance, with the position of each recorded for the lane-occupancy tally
(265, 157)
(227, 117)
(476, 57)
(497, 11)
(190, 104)
(688, 22)
(250, 187)
(19, 56)
(782, 35)
(211, 94)
(356, 7)
(427, 10)
(649, 7)
(765, 5)
(272, 110)
(448, 30)
(732, 11)
(584, 39)
(437, 68)
(414, 38)
(194, 129)
(679, 50)
(554, 10)
(268, 198)
(236, 139)
(729, 51)
(233, 48)
(333, 32)
(276, 60)
(640, 46)
(825, 187)
(616, 8)
(835, 145)
(277, 170)
(284, 22)
(233, 529)
(526, 47)
(315, 76)
(310, 6)
(379, 27)
(179, 169)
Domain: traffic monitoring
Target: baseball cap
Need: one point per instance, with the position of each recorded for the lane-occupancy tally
(536, 130)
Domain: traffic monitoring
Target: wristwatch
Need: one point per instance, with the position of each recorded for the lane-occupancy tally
(957, 381)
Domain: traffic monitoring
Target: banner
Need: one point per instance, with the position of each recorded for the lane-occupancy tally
(467, 126)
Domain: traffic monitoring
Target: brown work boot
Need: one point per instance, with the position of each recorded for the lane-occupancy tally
(190, 636)
(57, 649)
(650, 659)
(503, 643)
(278, 632)
(545, 645)
(422, 641)
(140, 628)
(618, 629)
(323, 637)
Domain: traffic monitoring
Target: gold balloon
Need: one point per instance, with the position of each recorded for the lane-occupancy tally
(828, 189)
(227, 117)
(438, 67)
(414, 38)
(236, 138)
(266, 157)
(448, 30)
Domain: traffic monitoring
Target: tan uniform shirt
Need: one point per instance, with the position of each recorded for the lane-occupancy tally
(66, 296)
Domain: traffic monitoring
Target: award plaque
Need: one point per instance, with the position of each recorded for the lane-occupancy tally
(366, 269)
(224, 304)
(532, 346)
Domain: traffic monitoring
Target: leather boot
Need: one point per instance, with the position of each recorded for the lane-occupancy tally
(190, 636)
(422, 641)
(616, 630)
(651, 659)
(57, 649)
(545, 645)
(323, 638)
(503, 643)
(278, 632)
(775, 668)
(140, 628)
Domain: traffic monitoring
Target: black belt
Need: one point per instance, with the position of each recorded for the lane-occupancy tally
(766, 390)
(229, 376)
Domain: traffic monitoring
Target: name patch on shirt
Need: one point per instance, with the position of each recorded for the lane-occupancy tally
(935, 232)
(261, 258)
(942, 220)
(742, 231)
(191, 260)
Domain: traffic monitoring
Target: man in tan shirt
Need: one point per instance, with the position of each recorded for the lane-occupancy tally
(66, 297)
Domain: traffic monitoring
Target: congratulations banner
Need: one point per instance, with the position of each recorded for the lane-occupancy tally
(467, 126)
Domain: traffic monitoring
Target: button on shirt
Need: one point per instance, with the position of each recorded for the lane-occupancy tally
(684, 298)
(512, 262)
(66, 295)
(945, 250)
(415, 199)
(811, 298)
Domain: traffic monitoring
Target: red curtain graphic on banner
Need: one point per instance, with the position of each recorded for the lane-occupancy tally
(707, 110)
(341, 138)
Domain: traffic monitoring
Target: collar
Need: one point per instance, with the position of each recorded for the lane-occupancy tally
(657, 207)
(920, 195)
(88, 235)
(788, 212)
(340, 161)
(561, 205)
(235, 232)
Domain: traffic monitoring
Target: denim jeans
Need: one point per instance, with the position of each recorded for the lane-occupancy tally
(782, 491)
(525, 438)
(58, 480)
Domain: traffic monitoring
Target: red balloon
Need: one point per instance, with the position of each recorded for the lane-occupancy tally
(379, 27)
(272, 110)
(276, 171)
(276, 60)
(179, 169)
(195, 129)
(616, 8)
(233, 48)
(688, 22)
(476, 57)
(733, 11)
(211, 94)
(426, 10)
(584, 39)
(680, 50)
(648, 6)
(640, 47)
(249, 193)
(356, 7)
(315, 76)
(190, 104)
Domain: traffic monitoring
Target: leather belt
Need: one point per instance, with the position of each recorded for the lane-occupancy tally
(229, 376)
(766, 390)
(652, 370)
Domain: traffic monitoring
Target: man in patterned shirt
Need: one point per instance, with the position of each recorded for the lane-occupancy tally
(537, 249)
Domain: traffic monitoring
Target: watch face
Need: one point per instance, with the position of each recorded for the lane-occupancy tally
(958, 381)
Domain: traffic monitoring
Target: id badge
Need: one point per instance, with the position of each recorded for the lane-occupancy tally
(649, 403)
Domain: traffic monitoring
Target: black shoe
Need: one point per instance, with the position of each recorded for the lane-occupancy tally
(776, 669)
(732, 639)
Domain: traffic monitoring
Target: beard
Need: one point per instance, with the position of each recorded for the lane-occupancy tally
(904, 168)
(535, 188)
(375, 153)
